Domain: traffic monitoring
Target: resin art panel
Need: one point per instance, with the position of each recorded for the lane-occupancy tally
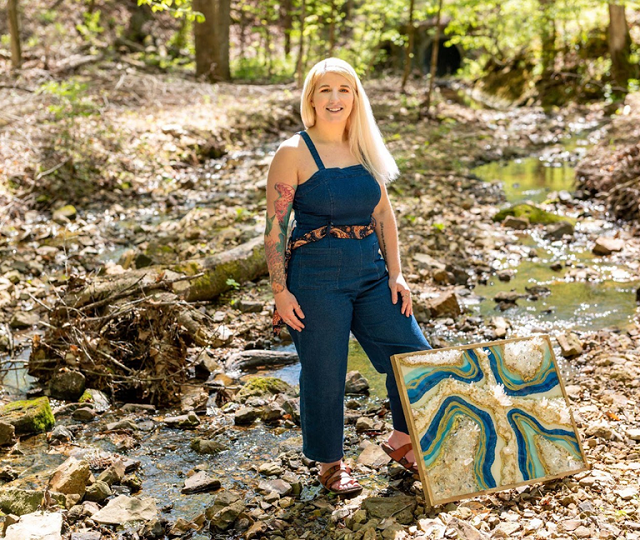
(487, 417)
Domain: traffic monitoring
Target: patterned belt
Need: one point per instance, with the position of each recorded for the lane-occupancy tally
(338, 231)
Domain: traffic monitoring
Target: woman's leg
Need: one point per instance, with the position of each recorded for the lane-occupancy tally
(382, 331)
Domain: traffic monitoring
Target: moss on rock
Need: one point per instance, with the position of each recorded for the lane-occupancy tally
(263, 386)
(29, 416)
(532, 213)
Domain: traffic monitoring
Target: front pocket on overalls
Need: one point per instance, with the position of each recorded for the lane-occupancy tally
(319, 268)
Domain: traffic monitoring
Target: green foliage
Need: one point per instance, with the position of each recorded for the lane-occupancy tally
(71, 99)
(91, 26)
(178, 8)
(233, 283)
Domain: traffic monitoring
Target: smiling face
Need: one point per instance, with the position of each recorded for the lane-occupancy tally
(333, 98)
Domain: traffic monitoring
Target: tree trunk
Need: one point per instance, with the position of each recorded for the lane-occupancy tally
(332, 27)
(619, 48)
(434, 60)
(408, 53)
(212, 39)
(14, 29)
(299, 61)
(286, 16)
(548, 38)
(139, 16)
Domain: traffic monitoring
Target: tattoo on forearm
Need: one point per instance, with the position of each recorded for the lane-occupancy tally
(384, 241)
(275, 249)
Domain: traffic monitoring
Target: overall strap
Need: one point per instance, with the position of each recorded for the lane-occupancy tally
(312, 149)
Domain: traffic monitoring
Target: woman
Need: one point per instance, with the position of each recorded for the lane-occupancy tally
(332, 280)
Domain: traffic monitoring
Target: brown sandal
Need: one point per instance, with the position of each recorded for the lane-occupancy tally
(399, 455)
(333, 474)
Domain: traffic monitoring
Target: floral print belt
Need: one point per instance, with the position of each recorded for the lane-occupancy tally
(338, 231)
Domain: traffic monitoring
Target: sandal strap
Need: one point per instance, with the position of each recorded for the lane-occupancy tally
(333, 474)
(398, 453)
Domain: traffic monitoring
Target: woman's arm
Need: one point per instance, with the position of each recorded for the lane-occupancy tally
(387, 231)
(282, 183)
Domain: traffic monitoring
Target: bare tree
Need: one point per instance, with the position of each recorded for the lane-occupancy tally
(619, 48)
(14, 29)
(286, 16)
(434, 61)
(300, 60)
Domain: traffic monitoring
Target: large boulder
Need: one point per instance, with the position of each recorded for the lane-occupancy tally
(28, 416)
(263, 387)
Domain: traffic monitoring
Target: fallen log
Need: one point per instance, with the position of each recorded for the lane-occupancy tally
(259, 358)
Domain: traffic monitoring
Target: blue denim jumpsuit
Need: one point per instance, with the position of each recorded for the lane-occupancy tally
(342, 286)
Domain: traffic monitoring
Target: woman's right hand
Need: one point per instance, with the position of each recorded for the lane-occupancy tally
(289, 309)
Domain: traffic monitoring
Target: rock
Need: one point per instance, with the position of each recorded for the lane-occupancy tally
(465, 530)
(245, 416)
(263, 387)
(505, 275)
(445, 305)
(634, 434)
(28, 416)
(270, 468)
(71, 477)
(113, 474)
(506, 529)
(37, 526)
(65, 214)
(606, 245)
(400, 507)
(281, 487)
(194, 398)
(373, 456)
(68, 385)
(627, 493)
(24, 319)
(256, 530)
(559, 229)
(556, 266)
(528, 211)
(224, 518)
(208, 447)
(509, 297)
(519, 224)
(271, 412)
(364, 423)
(20, 501)
(356, 383)
(98, 492)
(84, 414)
(248, 306)
(186, 421)
(125, 509)
(8, 474)
(98, 399)
(62, 434)
(122, 425)
(7, 434)
(570, 344)
(200, 482)
(86, 535)
(600, 429)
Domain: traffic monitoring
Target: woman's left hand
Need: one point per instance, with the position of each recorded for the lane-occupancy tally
(398, 286)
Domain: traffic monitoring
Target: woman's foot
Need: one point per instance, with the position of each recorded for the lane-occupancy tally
(336, 477)
(399, 448)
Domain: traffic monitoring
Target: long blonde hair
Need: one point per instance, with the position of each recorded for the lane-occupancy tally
(365, 139)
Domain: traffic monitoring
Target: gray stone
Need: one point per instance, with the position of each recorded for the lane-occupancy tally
(570, 344)
(7, 434)
(600, 429)
(98, 492)
(202, 446)
(249, 306)
(186, 421)
(68, 385)
(99, 400)
(200, 482)
(37, 526)
(278, 485)
(245, 416)
(71, 477)
(124, 424)
(113, 474)
(516, 223)
(356, 383)
(24, 319)
(84, 414)
(606, 246)
(400, 507)
(559, 229)
(225, 518)
(125, 509)
(20, 501)
(272, 412)
(445, 305)
(61, 433)
(86, 535)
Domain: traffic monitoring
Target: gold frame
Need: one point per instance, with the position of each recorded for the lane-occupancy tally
(415, 440)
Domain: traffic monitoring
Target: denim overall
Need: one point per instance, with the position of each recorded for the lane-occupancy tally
(342, 286)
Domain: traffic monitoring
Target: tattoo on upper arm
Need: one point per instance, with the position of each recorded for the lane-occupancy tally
(275, 249)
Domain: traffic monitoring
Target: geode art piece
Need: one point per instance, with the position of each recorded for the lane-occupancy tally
(487, 417)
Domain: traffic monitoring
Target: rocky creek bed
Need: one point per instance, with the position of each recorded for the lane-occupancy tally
(216, 454)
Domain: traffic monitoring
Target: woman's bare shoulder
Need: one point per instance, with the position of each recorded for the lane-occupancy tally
(290, 151)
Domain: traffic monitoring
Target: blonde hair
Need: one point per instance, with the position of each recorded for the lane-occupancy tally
(365, 139)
